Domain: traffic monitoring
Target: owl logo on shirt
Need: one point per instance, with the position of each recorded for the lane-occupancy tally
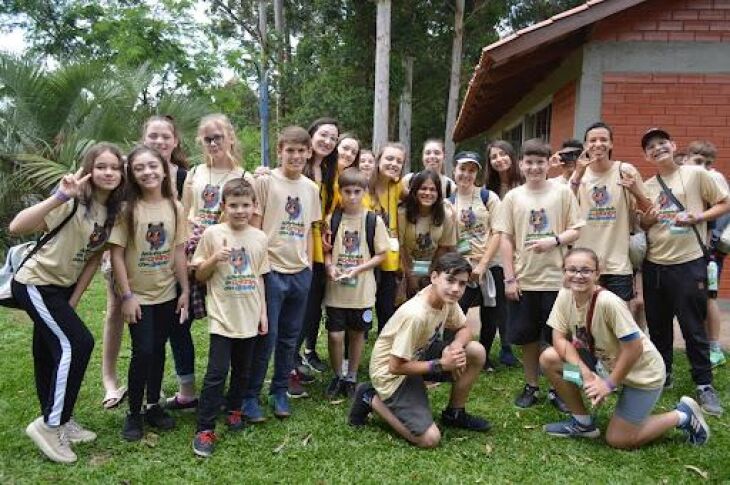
(293, 207)
(664, 201)
(351, 242)
(97, 238)
(538, 220)
(156, 236)
(211, 195)
(467, 217)
(238, 260)
(424, 241)
(600, 196)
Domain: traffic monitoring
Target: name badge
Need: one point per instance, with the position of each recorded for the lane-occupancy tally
(571, 373)
(393, 244)
(463, 246)
(420, 267)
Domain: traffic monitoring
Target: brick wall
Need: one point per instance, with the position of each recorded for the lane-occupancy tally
(563, 115)
(689, 107)
(669, 20)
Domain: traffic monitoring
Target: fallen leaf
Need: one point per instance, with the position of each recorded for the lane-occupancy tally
(701, 473)
(337, 401)
(151, 439)
(307, 439)
(283, 444)
(530, 426)
(99, 459)
(488, 449)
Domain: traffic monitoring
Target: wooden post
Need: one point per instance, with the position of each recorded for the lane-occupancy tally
(406, 111)
(454, 87)
(382, 75)
(264, 86)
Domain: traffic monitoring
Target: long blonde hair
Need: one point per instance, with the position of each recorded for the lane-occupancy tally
(220, 120)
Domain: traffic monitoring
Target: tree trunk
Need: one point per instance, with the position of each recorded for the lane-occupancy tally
(281, 34)
(406, 111)
(382, 75)
(264, 86)
(454, 87)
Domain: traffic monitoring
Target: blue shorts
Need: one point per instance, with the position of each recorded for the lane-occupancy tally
(635, 405)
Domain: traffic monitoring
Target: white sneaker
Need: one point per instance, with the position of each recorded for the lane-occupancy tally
(77, 433)
(53, 442)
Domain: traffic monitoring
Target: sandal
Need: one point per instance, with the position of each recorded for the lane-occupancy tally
(113, 399)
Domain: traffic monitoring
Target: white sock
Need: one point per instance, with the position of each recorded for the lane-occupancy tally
(584, 419)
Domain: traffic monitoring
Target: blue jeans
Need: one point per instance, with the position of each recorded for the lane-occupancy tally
(286, 300)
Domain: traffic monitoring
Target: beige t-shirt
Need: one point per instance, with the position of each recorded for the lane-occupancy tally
(607, 207)
(350, 249)
(60, 261)
(408, 333)
(695, 188)
(206, 186)
(421, 240)
(288, 208)
(474, 222)
(528, 215)
(150, 255)
(560, 179)
(612, 320)
(234, 299)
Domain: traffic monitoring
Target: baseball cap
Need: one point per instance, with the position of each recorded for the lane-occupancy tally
(651, 133)
(464, 157)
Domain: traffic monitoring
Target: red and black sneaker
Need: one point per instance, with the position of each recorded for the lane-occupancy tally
(204, 443)
(234, 420)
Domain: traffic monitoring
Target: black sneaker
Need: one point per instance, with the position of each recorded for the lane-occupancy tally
(348, 389)
(459, 418)
(334, 389)
(528, 398)
(204, 443)
(133, 428)
(559, 404)
(312, 360)
(234, 420)
(668, 382)
(361, 406)
(507, 358)
(157, 417)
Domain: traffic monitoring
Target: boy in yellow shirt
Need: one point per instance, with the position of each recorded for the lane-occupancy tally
(350, 266)
(232, 258)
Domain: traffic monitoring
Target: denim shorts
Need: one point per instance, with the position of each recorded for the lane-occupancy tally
(635, 405)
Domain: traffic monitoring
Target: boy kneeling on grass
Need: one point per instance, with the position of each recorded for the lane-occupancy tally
(598, 346)
(359, 243)
(411, 349)
(232, 258)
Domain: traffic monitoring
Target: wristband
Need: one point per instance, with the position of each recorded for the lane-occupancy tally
(127, 296)
(557, 241)
(434, 366)
(610, 383)
(61, 196)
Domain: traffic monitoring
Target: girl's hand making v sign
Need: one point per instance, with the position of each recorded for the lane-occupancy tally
(72, 184)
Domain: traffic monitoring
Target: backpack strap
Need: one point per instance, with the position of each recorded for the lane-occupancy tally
(448, 190)
(370, 220)
(484, 194)
(49, 235)
(673, 198)
(335, 223)
(452, 199)
(589, 319)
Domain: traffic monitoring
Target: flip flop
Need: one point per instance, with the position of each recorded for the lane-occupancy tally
(114, 398)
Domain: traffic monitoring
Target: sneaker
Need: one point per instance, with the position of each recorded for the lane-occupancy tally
(361, 406)
(77, 433)
(176, 403)
(528, 397)
(53, 442)
(557, 402)
(157, 417)
(334, 389)
(696, 427)
(668, 382)
(253, 412)
(717, 358)
(571, 428)
(204, 443)
(312, 360)
(280, 404)
(348, 389)
(459, 418)
(488, 366)
(507, 358)
(133, 428)
(709, 401)
(234, 420)
(295, 389)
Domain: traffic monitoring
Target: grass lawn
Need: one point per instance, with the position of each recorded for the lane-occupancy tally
(315, 444)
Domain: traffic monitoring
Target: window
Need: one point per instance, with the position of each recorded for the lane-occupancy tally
(514, 136)
(532, 125)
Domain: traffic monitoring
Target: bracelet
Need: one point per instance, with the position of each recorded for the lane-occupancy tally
(557, 241)
(431, 366)
(61, 196)
(127, 296)
(611, 385)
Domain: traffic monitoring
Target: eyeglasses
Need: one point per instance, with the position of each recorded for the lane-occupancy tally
(215, 138)
(579, 271)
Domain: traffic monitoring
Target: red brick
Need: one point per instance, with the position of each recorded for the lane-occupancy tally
(682, 36)
(717, 78)
(614, 98)
(645, 25)
(721, 26)
(685, 15)
(699, 4)
(640, 120)
(713, 121)
(696, 26)
(691, 78)
(670, 25)
(653, 89)
(724, 4)
(715, 100)
(662, 120)
(726, 37)
(651, 110)
(629, 36)
(689, 119)
(705, 37)
(663, 78)
(711, 15)
(656, 36)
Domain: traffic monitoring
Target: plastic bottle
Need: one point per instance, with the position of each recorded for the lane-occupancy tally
(712, 275)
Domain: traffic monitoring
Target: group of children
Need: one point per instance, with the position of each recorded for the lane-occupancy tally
(334, 227)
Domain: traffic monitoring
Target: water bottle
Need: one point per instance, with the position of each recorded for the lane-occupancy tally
(712, 275)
